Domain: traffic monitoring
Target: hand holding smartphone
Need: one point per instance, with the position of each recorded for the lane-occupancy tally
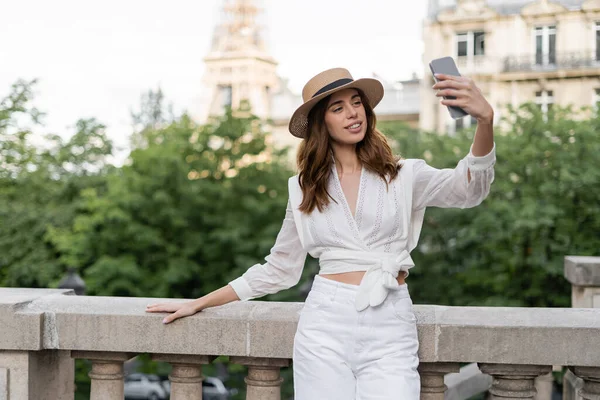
(446, 65)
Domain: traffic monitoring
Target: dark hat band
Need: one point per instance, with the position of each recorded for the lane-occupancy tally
(333, 85)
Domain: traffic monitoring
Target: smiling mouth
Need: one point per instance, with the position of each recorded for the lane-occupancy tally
(354, 126)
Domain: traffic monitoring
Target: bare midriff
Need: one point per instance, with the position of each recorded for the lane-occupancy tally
(355, 277)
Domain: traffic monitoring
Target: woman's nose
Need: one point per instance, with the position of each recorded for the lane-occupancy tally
(351, 112)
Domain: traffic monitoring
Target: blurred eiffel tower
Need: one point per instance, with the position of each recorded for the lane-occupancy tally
(239, 70)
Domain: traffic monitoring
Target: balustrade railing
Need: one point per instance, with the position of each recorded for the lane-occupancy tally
(42, 331)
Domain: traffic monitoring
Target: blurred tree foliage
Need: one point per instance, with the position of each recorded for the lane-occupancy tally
(41, 180)
(191, 210)
(195, 205)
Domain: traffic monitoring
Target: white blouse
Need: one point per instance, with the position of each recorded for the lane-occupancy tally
(381, 235)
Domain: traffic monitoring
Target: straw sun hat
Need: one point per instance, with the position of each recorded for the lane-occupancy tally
(326, 83)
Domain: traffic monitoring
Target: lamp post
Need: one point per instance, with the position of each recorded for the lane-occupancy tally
(73, 281)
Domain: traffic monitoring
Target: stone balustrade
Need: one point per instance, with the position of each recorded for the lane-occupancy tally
(43, 330)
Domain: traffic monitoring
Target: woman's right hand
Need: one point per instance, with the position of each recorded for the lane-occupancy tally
(178, 310)
(221, 296)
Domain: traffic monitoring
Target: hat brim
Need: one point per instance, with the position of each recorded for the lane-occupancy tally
(372, 89)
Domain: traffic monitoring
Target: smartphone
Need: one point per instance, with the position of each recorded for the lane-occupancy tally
(446, 65)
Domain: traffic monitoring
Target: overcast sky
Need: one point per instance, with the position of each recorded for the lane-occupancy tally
(95, 59)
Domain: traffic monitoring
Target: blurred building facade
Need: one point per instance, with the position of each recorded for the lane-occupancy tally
(239, 68)
(543, 51)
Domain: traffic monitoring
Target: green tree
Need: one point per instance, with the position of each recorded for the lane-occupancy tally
(191, 210)
(40, 180)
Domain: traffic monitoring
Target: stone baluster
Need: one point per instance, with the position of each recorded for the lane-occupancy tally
(263, 381)
(106, 373)
(432, 379)
(186, 374)
(544, 385)
(591, 382)
(513, 381)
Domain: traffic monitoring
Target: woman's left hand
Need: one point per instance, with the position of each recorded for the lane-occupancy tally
(468, 96)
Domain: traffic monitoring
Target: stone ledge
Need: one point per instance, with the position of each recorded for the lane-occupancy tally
(544, 336)
(582, 271)
(21, 329)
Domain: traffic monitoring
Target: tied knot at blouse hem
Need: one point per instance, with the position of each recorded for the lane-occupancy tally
(381, 275)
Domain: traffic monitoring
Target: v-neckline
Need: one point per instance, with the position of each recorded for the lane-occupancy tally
(358, 194)
(351, 219)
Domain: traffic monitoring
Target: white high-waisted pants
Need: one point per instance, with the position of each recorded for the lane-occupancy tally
(344, 354)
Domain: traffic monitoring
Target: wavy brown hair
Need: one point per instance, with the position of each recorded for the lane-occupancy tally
(315, 156)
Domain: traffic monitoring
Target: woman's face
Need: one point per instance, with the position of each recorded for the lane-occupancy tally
(345, 117)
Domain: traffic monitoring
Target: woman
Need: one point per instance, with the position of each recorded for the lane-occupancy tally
(359, 211)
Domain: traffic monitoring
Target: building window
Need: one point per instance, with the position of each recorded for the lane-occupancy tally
(459, 124)
(225, 96)
(465, 122)
(470, 44)
(596, 99)
(597, 29)
(545, 45)
(544, 99)
(462, 123)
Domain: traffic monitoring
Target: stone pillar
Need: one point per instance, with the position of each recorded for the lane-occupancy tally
(263, 381)
(40, 375)
(106, 374)
(513, 381)
(4, 383)
(432, 379)
(186, 376)
(584, 275)
(544, 385)
(591, 382)
(572, 386)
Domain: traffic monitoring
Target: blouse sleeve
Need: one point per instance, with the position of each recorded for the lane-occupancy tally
(450, 187)
(283, 266)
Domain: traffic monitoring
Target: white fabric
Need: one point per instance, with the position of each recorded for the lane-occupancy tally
(382, 271)
(388, 220)
(343, 354)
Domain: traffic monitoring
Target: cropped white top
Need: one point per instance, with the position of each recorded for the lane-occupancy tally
(378, 239)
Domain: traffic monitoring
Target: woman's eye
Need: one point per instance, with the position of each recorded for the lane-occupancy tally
(357, 103)
(337, 109)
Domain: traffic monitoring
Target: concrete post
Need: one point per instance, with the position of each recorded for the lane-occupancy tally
(432, 379)
(591, 382)
(263, 381)
(513, 381)
(584, 275)
(186, 376)
(40, 375)
(543, 386)
(106, 374)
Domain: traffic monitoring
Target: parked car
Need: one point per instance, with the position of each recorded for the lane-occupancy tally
(151, 387)
(214, 389)
(145, 386)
